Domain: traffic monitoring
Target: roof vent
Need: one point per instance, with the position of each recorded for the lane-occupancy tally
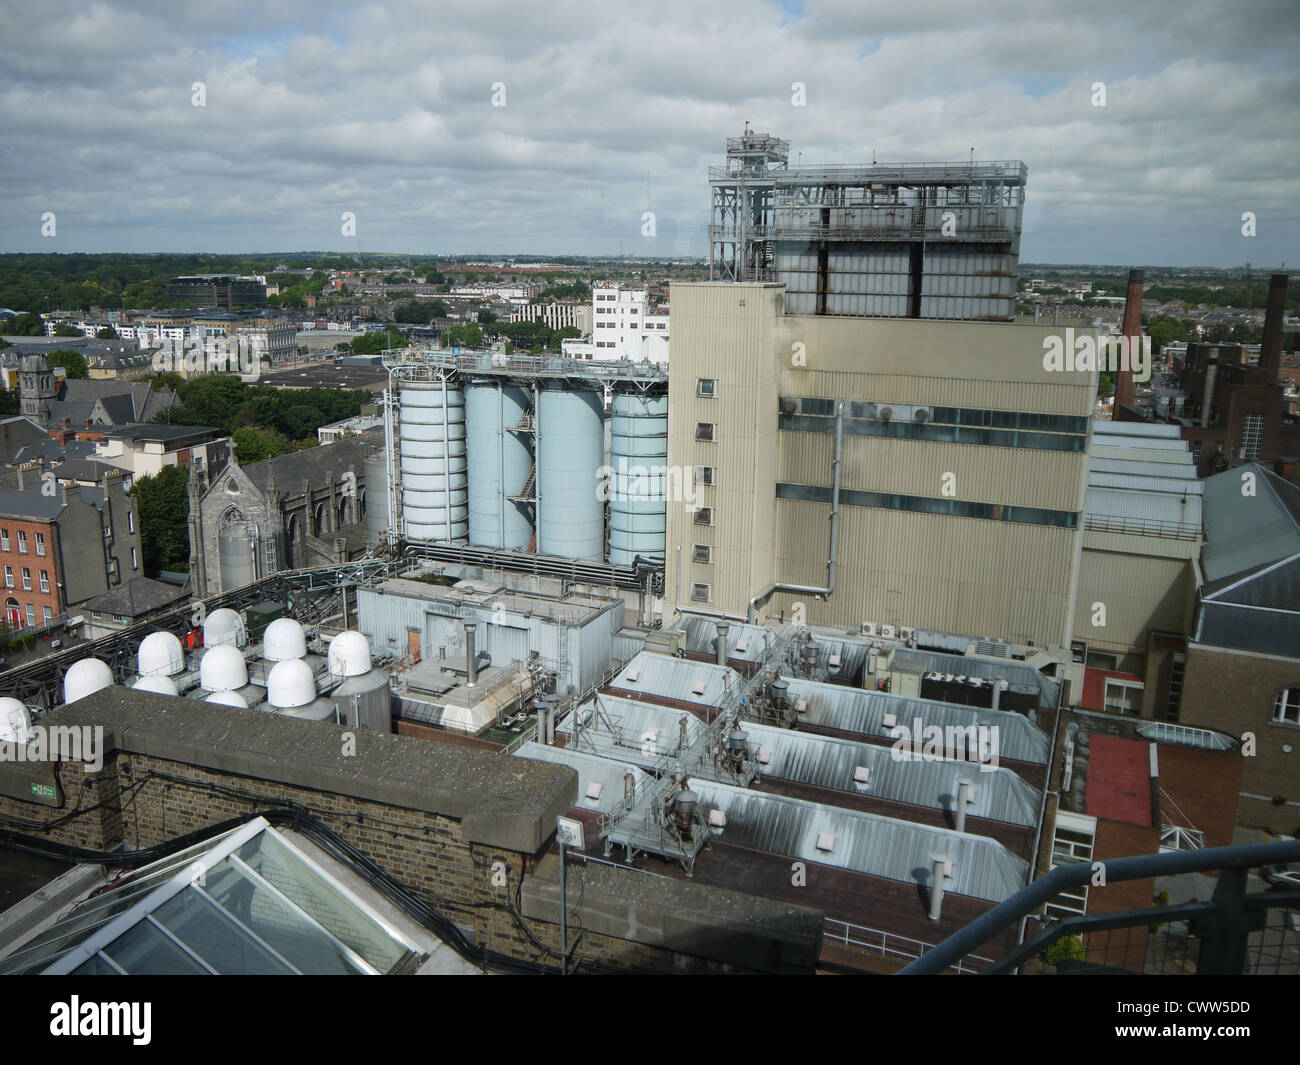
(826, 841)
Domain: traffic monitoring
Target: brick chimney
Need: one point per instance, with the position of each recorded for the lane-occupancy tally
(1270, 348)
(1124, 390)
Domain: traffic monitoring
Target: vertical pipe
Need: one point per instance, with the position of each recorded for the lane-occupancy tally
(721, 648)
(471, 654)
(938, 866)
(964, 794)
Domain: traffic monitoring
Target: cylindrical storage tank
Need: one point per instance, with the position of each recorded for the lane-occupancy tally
(376, 469)
(570, 454)
(499, 464)
(638, 453)
(432, 441)
(236, 550)
(158, 683)
(284, 640)
(85, 678)
(160, 653)
(223, 669)
(290, 684)
(15, 721)
(365, 701)
(224, 626)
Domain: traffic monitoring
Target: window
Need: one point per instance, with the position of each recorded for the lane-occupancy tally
(704, 475)
(27, 579)
(40, 544)
(45, 580)
(31, 614)
(704, 431)
(47, 615)
(703, 515)
(130, 521)
(700, 593)
(706, 386)
(1251, 430)
(9, 576)
(1123, 697)
(1072, 842)
(134, 562)
(4, 539)
(22, 542)
(703, 554)
(1286, 707)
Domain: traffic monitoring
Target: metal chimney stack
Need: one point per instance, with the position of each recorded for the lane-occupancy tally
(938, 873)
(723, 629)
(1270, 348)
(1124, 390)
(471, 654)
(965, 795)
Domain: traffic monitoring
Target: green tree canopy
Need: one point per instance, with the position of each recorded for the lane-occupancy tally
(164, 505)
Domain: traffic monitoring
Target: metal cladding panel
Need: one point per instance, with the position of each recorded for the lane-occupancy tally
(982, 868)
(376, 498)
(236, 550)
(365, 702)
(639, 456)
(591, 654)
(855, 710)
(1140, 592)
(591, 769)
(433, 469)
(825, 762)
(498, 465)
(570, 453)
(507, 644)
(385, 620)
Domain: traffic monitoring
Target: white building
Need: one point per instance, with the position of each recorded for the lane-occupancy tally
(623, 327)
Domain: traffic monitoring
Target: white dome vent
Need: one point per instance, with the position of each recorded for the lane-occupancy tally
(157, 683)
(284, 641)
(223, 626)
(223, 669)
(160, 654)
(349, 654)
(290, 684)
(227, 699)
(85, 678)
(15, 721)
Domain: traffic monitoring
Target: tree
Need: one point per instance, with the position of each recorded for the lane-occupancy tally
(467, 335)
(486, 317)
(65, 330)
(257, 445)
(164, 505)
(107, 333)
(8, 402)
(73, 363)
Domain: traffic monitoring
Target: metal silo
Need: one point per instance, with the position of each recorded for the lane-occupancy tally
(500, 460)
(235, 546)
(376, 471)
(432, 435)
(639, 456)
(570, 453)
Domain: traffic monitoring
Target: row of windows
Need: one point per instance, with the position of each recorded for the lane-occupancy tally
(22, 542)
(961, 508)
(1286, 707)
(44, 578)
(19, 614)
(990, 419)
(948, 434)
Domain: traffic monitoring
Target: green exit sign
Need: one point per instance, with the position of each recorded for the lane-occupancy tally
(44, 791)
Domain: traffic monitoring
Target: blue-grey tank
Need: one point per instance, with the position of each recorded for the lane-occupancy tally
(376, 499)
(500, 460)
(432, 436)
(570, 454)
(638, 486)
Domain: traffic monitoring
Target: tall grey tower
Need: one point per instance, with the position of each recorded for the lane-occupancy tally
(35, 389)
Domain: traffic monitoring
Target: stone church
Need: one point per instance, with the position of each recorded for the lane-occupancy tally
(306, 508)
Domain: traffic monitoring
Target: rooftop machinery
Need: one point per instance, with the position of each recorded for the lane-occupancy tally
(522, 455)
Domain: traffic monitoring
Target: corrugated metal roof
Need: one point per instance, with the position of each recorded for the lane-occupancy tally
(677, 678)
(702, 632)
(856, 710)
(1136, 467)
(1244, 531)
(853, 655)
(591, 770)
(826, 762)
(649, 731)
(982, 867)
(1150, 430)
(1173, 485)
(1146, 506)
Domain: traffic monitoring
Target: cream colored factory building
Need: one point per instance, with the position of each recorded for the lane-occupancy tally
(948, 520)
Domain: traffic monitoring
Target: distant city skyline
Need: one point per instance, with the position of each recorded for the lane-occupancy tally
(553, 131)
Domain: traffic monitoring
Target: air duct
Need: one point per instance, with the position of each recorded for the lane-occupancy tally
(721, 641)
(938, 873)
(965, 795)
(471, 654)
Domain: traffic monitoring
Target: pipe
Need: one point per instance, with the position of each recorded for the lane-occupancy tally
(721, 641)
(804, 589)
(938, 872)
(964, 796)
(471, 654)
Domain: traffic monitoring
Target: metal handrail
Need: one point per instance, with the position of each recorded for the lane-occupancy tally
(1141, 867)
(857, 935)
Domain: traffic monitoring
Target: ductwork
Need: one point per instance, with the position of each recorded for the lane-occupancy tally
(471, 654)
(721, 649)
(804, 589)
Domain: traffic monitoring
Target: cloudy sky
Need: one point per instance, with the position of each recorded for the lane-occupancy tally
(386, 110)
